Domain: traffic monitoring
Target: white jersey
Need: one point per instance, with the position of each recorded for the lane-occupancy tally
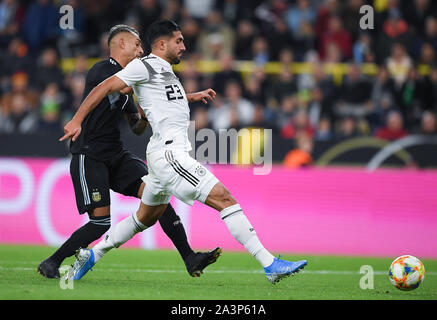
(163, 99)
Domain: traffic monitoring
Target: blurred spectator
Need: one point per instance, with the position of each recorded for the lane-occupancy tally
(318, 107)
(191, 69)
(286, 57)
(40, 25)
(103, 49)
(394, 128)
(234, 11)
(324, 130)
(277, 38)
(198, 9)
(328, 9)
(301, 155)
(9, 20)
(200, 118)
(50, 109)
(260, 51)
(172, 11)
(254, 87)
(245, 34)
(285, 112)
(351, 17)
(215, 37)
(226, 73)
(337, 35)
(70, 40)
(190, 30)
(18, 116)
(48, 71)
(16, 59)
(268, 12)
(362, 49)
(333, 53)
(76, 88)
(145, 12)
(234, 112)
(80, 66)
(299, 124)
(298, 14)
(416, 12)
(427, 54)
(354, 93)
(399, 64)
(428, 124)
(191, 85)
(382, 98)
(284, 85)
(429, 36)
(19, 85)
(410, 98)
(347, 127)
(394, 31)
(429, 90)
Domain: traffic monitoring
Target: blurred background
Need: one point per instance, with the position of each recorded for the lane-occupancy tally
(302, 68)
(332, 94)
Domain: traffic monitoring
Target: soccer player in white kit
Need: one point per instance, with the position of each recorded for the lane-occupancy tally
(171, 170)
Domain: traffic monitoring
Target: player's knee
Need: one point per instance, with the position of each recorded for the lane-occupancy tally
(220, 197)
(148, 216)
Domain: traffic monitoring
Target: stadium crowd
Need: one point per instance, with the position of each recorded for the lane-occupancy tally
(399, 98)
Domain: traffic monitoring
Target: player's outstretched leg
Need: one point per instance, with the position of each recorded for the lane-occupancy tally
(198, 261)
(195, 262)
(241, 229)
(122, 232)
(82, 237)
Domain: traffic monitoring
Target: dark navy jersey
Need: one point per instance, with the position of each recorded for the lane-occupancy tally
(100, 136)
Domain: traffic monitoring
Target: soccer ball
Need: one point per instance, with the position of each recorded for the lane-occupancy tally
(406, 272)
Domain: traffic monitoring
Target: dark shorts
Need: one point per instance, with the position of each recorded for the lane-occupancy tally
(92, 179)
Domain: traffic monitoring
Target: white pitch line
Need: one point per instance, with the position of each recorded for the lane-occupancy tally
(321, 272)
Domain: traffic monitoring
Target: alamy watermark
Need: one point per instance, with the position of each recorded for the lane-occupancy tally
(66, 281)
(367, 21)
(247, 146)
(67, 19)
(367, 280)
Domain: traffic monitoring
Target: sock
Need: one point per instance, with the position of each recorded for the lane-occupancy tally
(244, 233)
(123, 231)
(82, 238)
(172, 226)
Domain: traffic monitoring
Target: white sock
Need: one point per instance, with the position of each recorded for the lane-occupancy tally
(244, 233)
(122, 232)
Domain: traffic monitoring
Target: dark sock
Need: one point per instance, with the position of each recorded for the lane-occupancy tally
(82, 237)
(174, 229)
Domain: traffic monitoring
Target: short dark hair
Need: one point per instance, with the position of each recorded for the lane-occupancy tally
(119, 28)
(161, 28)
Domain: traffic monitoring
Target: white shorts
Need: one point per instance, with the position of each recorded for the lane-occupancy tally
(174, 172)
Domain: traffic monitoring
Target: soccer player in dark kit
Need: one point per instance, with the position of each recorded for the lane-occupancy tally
(100, 163)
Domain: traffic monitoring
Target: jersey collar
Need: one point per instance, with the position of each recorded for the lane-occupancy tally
(160, 59)
(115, 62)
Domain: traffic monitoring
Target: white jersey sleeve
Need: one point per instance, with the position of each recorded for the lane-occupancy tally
(134, 72)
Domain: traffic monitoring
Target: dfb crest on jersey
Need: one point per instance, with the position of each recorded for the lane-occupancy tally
(200, 171)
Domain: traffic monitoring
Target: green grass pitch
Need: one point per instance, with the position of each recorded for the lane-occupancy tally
(160, 275)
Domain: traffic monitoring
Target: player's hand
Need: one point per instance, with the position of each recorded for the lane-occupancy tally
(127, 90)
(72, 130)
(205, 95)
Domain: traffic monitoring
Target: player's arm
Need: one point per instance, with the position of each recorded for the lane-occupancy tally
(203, 96)
(138, 121)
(134, 72)
(73, 128)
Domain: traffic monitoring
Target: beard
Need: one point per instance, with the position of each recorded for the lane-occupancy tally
(175, 59)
